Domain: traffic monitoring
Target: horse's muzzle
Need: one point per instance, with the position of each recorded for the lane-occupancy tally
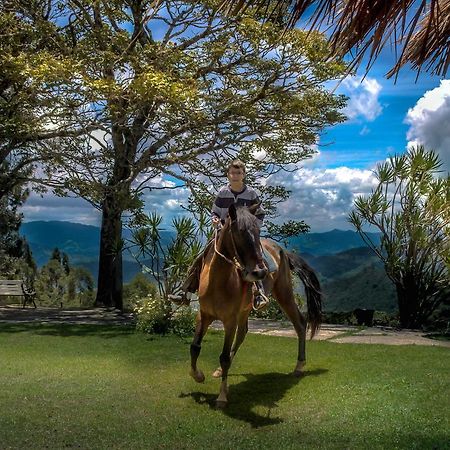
(255, 275)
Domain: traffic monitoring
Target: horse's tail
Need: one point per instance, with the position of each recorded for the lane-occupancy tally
(312, 289)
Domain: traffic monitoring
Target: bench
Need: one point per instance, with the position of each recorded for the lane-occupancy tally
(16, 288)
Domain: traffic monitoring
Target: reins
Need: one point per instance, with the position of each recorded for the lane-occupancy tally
(235, 261)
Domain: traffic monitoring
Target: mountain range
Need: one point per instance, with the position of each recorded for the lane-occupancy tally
(350, 274)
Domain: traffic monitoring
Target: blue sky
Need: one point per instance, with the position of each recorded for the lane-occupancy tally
(383, 118)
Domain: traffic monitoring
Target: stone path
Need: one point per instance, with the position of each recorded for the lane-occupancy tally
(95, 316)
(328, 332)
(347, 334)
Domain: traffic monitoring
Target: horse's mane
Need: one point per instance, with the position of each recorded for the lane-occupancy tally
(246, 220)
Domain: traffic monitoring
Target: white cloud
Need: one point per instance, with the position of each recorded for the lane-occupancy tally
(363, 94)
(50, 207)
(323, 198)
(429, 122)
(165, 202)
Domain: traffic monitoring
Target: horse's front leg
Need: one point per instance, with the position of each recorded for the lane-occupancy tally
(201, 328)
(242, 330)
(225, 363)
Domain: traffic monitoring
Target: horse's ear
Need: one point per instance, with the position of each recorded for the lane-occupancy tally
(254, 208)
(232, 212)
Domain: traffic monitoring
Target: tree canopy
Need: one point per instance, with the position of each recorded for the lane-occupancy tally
(141, 89)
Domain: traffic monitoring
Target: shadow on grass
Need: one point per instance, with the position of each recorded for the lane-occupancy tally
(68, 330)
(262, 390)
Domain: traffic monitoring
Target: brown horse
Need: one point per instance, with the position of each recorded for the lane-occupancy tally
(225, 291)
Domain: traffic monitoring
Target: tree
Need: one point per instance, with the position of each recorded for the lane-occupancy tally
(168, 264)
(12, 246)
(172, 88)
(59, 283)
(420, 29)
(29, 81)
(411, 209)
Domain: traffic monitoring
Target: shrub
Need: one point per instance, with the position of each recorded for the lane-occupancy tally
(152, 315)
(273, 311)
(183, 321)
(156, 316)
(138, 288)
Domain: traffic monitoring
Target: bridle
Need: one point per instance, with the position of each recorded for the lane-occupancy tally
(235, 260)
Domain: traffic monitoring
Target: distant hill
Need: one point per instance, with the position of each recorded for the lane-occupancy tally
(368, 287)
(330, 242)
(353, 279)
(80, 242)
(336, 265)
(350, 274)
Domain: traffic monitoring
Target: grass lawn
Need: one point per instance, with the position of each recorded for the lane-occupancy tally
(97, 387)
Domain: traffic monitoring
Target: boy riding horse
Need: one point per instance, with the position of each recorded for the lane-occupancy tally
(239, 194)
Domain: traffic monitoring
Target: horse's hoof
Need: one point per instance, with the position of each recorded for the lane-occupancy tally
(298, 371)
(217, 373)
(220, 404)
(198, 376)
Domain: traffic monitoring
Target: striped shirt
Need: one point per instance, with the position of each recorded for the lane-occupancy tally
(226, 197)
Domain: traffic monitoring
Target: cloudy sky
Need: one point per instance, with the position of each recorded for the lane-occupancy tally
(383, 119)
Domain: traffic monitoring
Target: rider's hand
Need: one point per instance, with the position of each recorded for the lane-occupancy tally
(216, 222)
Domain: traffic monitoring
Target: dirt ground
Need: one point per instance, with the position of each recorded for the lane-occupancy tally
(351, 334)
(328, 332)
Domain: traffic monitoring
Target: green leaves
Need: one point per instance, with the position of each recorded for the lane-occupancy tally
(411, 209)
(169, 260)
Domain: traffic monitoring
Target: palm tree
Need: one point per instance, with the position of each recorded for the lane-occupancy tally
(418, 29)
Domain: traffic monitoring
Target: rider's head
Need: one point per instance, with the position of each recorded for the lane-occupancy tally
(236, 164)
(236, 171)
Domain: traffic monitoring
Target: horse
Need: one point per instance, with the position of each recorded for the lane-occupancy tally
(229, 269)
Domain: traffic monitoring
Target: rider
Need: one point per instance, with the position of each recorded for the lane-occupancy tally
(240, 194)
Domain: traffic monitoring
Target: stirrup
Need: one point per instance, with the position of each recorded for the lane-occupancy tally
(262, 303)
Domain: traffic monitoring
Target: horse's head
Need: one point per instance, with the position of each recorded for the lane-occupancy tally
(244, 242)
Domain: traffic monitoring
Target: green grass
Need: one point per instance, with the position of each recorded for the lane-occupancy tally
(97, 387)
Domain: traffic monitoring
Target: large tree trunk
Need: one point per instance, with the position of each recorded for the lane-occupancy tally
(110, 282)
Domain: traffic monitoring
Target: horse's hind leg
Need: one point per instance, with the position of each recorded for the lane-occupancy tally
(225, 363)
(286, 300)
(200, 330)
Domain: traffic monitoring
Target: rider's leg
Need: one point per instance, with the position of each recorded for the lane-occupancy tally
(192, 281)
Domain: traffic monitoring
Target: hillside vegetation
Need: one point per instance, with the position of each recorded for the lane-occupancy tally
(350, 274)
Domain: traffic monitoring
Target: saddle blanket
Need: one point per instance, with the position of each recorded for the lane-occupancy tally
(269, 261)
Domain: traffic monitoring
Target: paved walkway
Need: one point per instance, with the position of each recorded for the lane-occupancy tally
(95, 316)
(328, 332)
(350, 334)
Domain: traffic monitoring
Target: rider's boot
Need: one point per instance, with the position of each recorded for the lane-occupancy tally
(260, 299)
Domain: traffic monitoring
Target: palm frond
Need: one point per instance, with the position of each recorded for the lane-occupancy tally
(418, 29)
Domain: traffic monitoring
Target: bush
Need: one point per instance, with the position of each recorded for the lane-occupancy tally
(273, 311)
(156, 316)
(183, 321)
(138, 288)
